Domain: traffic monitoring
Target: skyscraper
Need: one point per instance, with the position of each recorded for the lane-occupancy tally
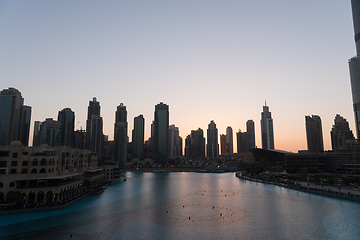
(267, 131)
(25, 125)
(138, 137)
(241, 139)
(36, 138)
(229, 141)
(67, 119)
(212, 146)
(94, 128)
(120, 135)
(341, 134)
(175, 142)
(354, 65)
(197, 144)
(223, 145)
(50, 132)
(161, 133)
(93, 112)
(14, 117)
(250, 135)
(314, 134)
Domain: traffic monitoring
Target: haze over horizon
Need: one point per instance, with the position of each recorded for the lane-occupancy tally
(208, 60)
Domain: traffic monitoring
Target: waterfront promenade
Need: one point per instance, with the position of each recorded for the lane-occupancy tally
(346, 193)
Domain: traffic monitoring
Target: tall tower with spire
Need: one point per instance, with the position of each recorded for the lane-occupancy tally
(267, 129)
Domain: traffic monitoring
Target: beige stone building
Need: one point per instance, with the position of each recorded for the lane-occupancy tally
(46, 174)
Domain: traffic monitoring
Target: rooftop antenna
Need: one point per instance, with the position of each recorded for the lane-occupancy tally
(265, 103)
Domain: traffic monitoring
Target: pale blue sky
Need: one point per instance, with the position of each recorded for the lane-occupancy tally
(207, 60)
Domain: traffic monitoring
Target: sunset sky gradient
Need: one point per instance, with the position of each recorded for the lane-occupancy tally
(208, 60)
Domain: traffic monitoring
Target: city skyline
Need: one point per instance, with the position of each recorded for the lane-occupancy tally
(59, 62)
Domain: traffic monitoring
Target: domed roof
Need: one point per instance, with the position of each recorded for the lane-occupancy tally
(16, 143)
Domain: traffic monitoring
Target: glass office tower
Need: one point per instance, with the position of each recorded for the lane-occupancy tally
(354, 65)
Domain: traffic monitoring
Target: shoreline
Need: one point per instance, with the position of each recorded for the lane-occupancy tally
(323, 192)
(45, 208)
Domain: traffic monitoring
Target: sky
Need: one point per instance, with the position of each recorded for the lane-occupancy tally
(208, 60)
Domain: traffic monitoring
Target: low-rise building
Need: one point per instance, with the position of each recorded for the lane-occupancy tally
(46, 174)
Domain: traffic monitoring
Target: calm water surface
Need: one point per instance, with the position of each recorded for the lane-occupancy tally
(190, 206)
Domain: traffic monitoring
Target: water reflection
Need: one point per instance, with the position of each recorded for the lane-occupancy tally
(193, 205)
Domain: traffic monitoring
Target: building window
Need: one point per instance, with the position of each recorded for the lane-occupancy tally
(4, 153)
(24, 170)
(25, 163)
(13, 171)
(15, 155)
(35, 162)
(12, 184)
(43, 162)
(13, 163)
(2, 163)
(25, 153)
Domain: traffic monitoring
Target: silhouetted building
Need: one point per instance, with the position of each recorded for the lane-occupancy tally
(229, 141)
(138, 137)
(14, 117)
(212, 141)
(161, 133)
(196, 144)
(341, 134)
(223, 145)
(79, 139)
(354, 65)
(314, 134)
(241, 139)
(93, 113)
(188, 146)
(120, 136)
(50, 132)
(267, 130)
(36, 135)
(67, 119)
(175, 142)
(250, 135)
(25, 125)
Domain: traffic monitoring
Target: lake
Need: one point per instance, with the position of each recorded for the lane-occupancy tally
(188, 205)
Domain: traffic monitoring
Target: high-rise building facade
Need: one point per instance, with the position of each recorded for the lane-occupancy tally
(93, 124)
(50, 132)
(267, 129)
(354, 65)
(212, 147)
(229, 141)
(14, 117)
(341, 135)
(197, 144)
(175, 142)
(250, 135)
(36, 135)
(188, 146)
(138, 137)
(67, 119)
(120, 135)
(161, 133)
(241, 139)
(314, 134)
(223, 145)
(25, 125)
